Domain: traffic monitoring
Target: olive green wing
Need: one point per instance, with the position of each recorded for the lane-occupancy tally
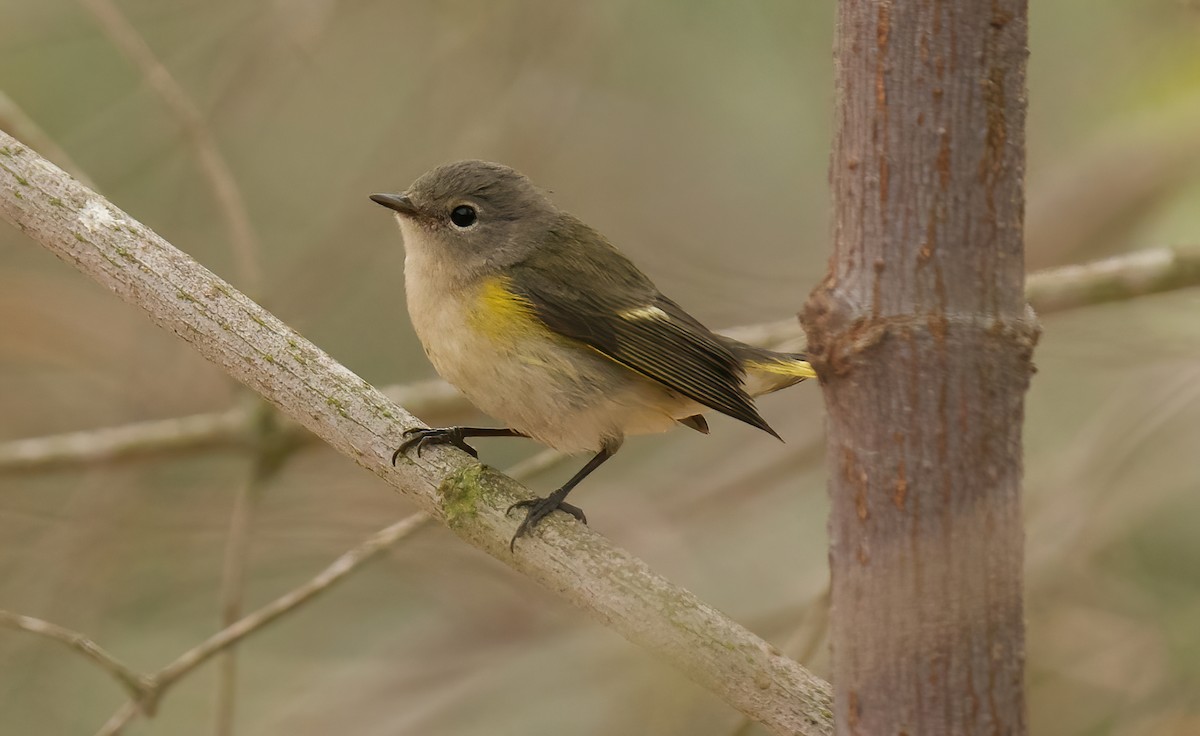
(598, 297)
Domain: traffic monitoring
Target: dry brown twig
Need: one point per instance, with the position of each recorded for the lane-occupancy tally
(147, 691)
(231, 429)
(208, 154)
(136, 685)
(1122, 277)
(1099, 194)
(160, 682)
(273, 449)
(356, 419)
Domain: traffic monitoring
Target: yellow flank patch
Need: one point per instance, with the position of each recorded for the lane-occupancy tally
(797, 368)
(501, 314)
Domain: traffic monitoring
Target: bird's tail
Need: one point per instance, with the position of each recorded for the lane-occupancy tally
(768, 370)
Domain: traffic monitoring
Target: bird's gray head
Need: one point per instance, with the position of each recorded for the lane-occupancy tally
(470, 214)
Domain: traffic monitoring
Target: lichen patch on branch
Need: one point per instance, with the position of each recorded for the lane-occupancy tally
(95, 216)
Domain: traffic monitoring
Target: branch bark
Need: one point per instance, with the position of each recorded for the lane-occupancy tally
(923, 340)
(252, 345)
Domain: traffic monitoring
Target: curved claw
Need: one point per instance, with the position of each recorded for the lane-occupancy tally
(540, 508)
(421, 436)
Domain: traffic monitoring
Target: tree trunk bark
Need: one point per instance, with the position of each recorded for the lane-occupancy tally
(923, 341)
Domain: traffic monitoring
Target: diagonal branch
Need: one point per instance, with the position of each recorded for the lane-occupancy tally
(252, 345)
(133, 683)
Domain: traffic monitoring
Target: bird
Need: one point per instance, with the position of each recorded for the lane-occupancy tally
(544, 325)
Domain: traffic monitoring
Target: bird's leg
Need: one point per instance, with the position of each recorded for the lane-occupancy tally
(540, 508)
(419, 437)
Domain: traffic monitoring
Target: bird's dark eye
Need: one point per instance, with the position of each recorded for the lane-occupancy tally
(463, 215)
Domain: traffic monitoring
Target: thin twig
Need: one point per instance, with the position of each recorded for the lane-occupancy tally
(1113, 279)
(117, 722)
(133, 683)
(151, 438)
(204, 146)
(272, 448)
(268, 460)
(1103, 192)
(150, 689)
(229, 429)
(233, 587)
(341, 568)
(255, 347)
(344, 566)
(1078, 512)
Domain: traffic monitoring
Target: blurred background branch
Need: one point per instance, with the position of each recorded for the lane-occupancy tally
(133, 683)
(164, 679)
(213, 166)
(1127, 276)
(157, 684)
(273, 447)
(221, 430)
(1095, 201)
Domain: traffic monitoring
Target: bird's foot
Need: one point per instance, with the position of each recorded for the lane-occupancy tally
(419, 437)
(538, 509)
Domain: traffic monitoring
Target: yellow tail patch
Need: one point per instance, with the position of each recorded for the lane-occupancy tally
(793, 368)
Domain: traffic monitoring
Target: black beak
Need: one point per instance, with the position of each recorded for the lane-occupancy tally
(399, 202)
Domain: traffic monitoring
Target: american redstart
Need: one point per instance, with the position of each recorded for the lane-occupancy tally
(544, 325)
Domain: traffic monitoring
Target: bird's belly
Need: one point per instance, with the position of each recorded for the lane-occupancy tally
(558, 392)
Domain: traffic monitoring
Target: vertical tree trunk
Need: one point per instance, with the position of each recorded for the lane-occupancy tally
(923, 341)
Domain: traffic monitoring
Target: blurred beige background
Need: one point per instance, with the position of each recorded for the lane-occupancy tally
(696, 136)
